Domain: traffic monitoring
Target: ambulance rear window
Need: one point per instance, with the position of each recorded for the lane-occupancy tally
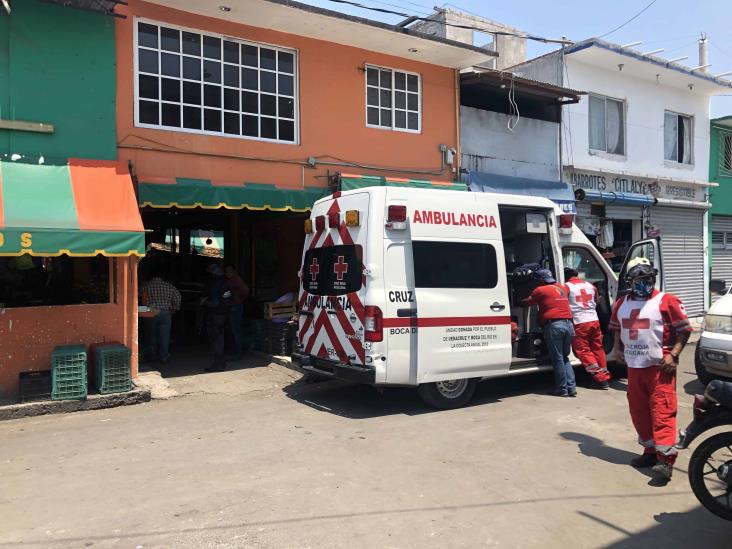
(454, 265)
(333, 270)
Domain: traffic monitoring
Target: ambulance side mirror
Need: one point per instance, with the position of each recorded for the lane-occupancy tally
(717, 286)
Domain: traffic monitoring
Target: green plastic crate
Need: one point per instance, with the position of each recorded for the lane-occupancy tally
(112, 369)
(68, 373)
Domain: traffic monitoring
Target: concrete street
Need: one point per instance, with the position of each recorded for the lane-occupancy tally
(290, 464)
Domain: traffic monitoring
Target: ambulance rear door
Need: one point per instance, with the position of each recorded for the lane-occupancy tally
(461, 294)
(333, 284)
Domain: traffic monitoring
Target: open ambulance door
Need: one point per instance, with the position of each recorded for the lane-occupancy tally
(649, 249)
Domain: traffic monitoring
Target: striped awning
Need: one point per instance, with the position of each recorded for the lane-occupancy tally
(202, 193)
(349, 182)
(83, 208)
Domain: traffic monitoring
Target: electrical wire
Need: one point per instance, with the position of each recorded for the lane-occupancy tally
(515, 114)
(307, 163)
(421, 12)
(629, 20)
(455, 25)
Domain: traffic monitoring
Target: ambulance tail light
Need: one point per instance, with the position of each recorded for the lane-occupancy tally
(320, 223)
(565, 223)
(334, 220)
(353, 219)
(396, 217)
(308, 226)
(373, 324)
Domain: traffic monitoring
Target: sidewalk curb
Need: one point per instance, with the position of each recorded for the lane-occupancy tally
(285, 361)
(93, 402)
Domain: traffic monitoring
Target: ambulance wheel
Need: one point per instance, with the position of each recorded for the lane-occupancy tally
(446, 395)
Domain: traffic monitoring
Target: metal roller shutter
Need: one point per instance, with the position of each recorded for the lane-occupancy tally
(621, 212)
(682, 251)
(721, 258)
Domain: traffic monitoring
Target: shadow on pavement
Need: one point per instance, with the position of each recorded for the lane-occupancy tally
(362, 401)
(594, 447)
(193, 360)
(694, 528)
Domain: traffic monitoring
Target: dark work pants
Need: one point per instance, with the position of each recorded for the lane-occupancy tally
(216, 328)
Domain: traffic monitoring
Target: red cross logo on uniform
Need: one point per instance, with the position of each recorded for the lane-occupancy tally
(634, 324)
(584, 298)
(314, 269)
(340, 268)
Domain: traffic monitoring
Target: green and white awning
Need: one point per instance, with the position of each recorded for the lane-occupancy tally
(200, 193)
(349, 182)
(83, 208)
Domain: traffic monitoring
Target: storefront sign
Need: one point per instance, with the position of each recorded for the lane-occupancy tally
(21, 241)
(620, 183)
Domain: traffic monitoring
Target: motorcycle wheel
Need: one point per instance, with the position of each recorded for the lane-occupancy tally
(713, 491)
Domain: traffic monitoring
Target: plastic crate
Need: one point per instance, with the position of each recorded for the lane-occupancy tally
(35, 385)
(91, 360)
(112, 369)
(68, 373)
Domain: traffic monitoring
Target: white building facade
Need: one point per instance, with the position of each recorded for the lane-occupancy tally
(636, 150)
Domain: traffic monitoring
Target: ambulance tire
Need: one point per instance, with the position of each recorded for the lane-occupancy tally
(447, 395)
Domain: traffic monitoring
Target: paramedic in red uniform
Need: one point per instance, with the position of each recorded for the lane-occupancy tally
(556, 318)
(587, 344)
(651, 330)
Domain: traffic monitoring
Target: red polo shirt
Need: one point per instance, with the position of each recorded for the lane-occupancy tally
(553, 302)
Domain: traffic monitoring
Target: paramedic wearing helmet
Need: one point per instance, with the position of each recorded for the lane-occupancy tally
(651, 329)
(556, 318)
(587, 344)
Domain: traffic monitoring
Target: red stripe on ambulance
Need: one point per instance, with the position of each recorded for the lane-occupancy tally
(440, 322)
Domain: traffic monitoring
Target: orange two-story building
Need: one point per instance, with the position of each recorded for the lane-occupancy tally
(235, 116)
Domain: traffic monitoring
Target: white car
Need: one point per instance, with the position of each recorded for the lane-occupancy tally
(714, 351)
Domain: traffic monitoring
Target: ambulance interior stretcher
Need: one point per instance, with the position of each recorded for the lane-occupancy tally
(527, 246)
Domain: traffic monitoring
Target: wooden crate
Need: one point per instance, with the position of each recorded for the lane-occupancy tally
(279, 310)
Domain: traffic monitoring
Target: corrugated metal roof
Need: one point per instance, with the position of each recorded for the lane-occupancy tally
(105, 7)
(497, 77)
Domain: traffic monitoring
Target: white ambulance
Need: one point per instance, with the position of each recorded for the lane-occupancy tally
(423, 288)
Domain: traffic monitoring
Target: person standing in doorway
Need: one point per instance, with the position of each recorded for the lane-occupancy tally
(217, 304)
(651, 329)
(239, 293)
(556, 318)
(163, 296)
(587, 344)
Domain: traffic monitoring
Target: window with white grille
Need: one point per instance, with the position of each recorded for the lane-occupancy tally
(725, 154)
(393, 99)
(204, 83)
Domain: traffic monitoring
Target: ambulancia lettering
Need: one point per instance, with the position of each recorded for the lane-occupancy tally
(336, 303)
(431, 217)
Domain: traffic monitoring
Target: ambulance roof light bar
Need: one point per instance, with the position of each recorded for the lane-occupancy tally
(396, 217)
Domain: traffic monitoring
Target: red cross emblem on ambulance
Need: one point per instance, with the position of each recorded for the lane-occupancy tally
(634, 324)
(340, 268)
(314, 269)
(584, 298)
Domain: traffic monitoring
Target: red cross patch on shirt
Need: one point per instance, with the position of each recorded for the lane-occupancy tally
(634, 324)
